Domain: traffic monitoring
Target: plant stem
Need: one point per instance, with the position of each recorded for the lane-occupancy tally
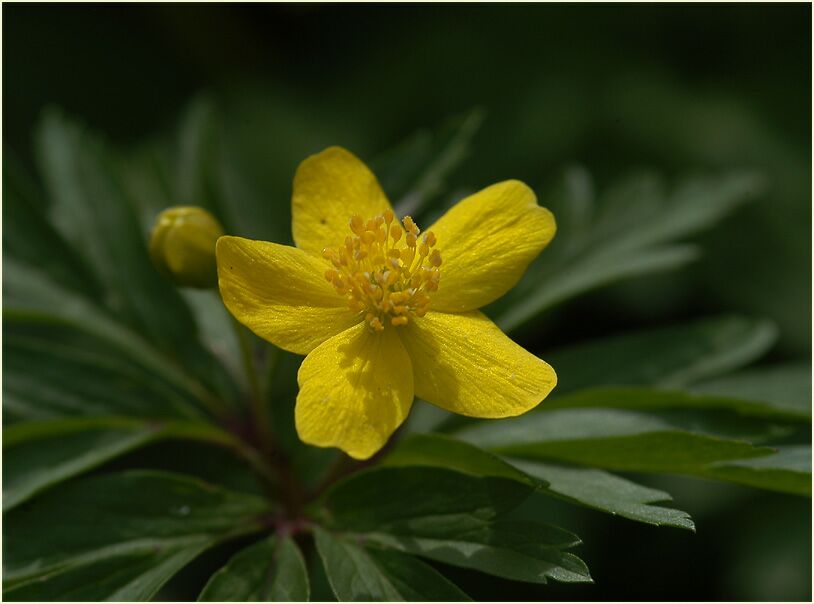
(256, 400)
(340, 466)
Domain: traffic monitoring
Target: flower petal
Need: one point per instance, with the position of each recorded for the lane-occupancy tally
(329, 188)
(465, 364)
(355, 390)
(280, 293)
(487, 240)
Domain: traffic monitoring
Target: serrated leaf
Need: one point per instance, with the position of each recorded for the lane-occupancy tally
(360, 574)
(54, 369)
(33, 240)
(272, 570)
(39, 455)
(520, 551)
(437, 450)
(652, 399)
(89, 206)
(197, 157)
(131, 577)
(788, 471)
(410, 497)
(414, 173)
(634, 234)
(454, 518)
(91, 209)
(35, 299)
(118, 536)
(33, 464)
(606, 492)
(592, 274)
(618, 439)
(782, 389)
(668, 357)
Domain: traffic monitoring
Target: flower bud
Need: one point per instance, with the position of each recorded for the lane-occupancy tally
(182, 246)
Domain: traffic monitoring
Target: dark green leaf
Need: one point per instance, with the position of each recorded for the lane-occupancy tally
(131, 577)
(33, 464)
(54, 369)
(668, 357)
(454, 518)
(783, 389)
(789, 470)
(520, 551)
(363, 574)
(623, 440)
(35, 299)
(436, 450)
(411, 498)
(651, 399)
(118, 536)
(634, 234)
(90, 207)
(591, 274)
(33, 241)
(197, 158)
(415, 172)
(42, 454)
(271, 570)
(603, 491)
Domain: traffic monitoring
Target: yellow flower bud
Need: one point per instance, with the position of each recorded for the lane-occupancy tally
(182, 246)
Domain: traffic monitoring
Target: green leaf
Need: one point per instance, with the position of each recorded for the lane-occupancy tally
(616, 439)
(131, 577)
(633, 235)
(651, 399)
(360, 574)
(271, 570)
(91, 209)
(668, 357)
(42, 454)
(591, 274)
(414, 173)
(409, 498)
(606, 492)
(453, 518)
(788, 471)
(33, 464)
(437, 450)
(33, 241)
(520, 551)
(195, 174)
(782, 389)
(118, 536)
(54, 369)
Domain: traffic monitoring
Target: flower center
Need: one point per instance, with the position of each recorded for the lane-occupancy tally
(384, 270)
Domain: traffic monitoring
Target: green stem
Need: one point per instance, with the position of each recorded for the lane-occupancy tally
(271, 369)
(256, 400)
(341, 465)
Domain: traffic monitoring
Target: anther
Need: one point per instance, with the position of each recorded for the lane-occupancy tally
(384, 270)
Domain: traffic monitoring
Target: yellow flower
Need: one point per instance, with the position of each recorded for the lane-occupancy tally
(385, 312)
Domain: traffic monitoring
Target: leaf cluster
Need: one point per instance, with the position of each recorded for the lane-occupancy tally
(129, 446)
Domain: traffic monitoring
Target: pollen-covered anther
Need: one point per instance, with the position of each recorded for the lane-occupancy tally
(385, 269)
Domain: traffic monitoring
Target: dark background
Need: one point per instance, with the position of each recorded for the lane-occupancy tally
(680, 89)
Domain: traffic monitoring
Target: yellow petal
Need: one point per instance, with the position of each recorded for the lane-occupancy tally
(465, 364)
(329, 188)
(355, 390)
(487, 240)
(280, 293)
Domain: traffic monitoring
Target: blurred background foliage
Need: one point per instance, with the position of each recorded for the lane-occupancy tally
(574, 100)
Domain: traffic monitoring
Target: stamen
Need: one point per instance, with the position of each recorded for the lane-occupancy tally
(384, 270)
